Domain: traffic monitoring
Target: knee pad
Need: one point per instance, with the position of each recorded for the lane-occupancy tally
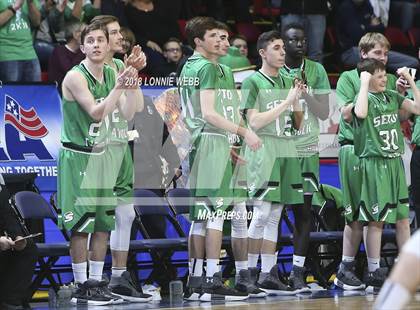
(412, 245)
(198, 228)
(239, 221)
(259, 219)
(215, 223)
(271, 230)
(120, 237)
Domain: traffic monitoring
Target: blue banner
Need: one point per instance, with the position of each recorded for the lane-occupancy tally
(30, 131)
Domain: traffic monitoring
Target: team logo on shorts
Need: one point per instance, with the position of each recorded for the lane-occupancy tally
(347, 210)
(375, 209)
(68, 217)
(219, 203)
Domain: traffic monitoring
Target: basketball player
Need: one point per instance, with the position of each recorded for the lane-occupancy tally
(211, 169)
(315, 106)
(90, 93)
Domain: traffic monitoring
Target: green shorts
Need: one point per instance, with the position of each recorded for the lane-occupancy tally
(239, 180)
(384, 194)
(120, 161)
(351, 182)
(87, 204)
(274, 172)
(210, 176)
(310, 173)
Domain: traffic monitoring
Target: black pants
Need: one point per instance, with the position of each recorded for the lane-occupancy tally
(16, 272)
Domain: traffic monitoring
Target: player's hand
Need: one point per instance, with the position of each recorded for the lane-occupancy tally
(402, 85)
(127, 78)
(365, 77)
(137, 58)
(404, 73)
(236, 158)
(18, 4)
(6, 243)
(252, 140)
(19, 245)
(375, 21)
(154, 46)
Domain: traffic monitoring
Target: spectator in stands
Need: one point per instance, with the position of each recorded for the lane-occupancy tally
(115, 8)
(17, 258)
(65, 57)
(354, 19)
(239, 41)
(128, 40)
(153, 24)
(52, 22)
(18, 60)
(311, 14)
(172, 51)
(403, 13)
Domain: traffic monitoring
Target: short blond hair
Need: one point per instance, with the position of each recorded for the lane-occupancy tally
(370, 39)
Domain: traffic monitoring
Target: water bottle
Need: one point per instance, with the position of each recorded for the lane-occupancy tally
(52, 298)
(175, 291)
(64, 297)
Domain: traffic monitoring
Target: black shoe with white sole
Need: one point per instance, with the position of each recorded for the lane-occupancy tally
(214, 290)
(346, 279)
(270, 283)
(125, 288)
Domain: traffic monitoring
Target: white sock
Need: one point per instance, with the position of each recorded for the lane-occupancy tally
(117, 271)
(392, 296)
(196, 267)
(95, 270)
(347, 259)
(79, 272)
(253, 260)
(267, 262)
(212, 266)
(298, 260)
(373, 264)
(240, 265)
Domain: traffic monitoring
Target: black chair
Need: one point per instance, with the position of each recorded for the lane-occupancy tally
(146, 204)
(179, 200)
(32, 206)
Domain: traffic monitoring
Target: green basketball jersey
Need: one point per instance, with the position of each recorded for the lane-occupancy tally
(348, 87)
(198, 74)
(263, 93)
(78, 127)
(118, 126)
(317, 81)
(228, 98)
(379, 134)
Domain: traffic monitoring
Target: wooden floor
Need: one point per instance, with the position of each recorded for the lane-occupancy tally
(324, 300)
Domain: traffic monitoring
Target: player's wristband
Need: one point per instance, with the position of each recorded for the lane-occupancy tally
(10, 7)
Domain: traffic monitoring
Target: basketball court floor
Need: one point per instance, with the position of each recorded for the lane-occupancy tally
(325, 300)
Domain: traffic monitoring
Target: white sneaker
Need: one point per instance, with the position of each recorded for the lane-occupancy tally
(152, 290)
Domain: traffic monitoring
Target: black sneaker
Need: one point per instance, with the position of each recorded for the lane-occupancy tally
(270, 283)
(214, 289)
(346, 278)
(297, 280)
(253, 273)
(88, 293)
(376, 278)
(244, 284)
(125, 288)
(103, 287)
(193, 288)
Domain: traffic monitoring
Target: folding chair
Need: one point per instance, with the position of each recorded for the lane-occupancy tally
(147, 203)
(179, 200)
(32, 206)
